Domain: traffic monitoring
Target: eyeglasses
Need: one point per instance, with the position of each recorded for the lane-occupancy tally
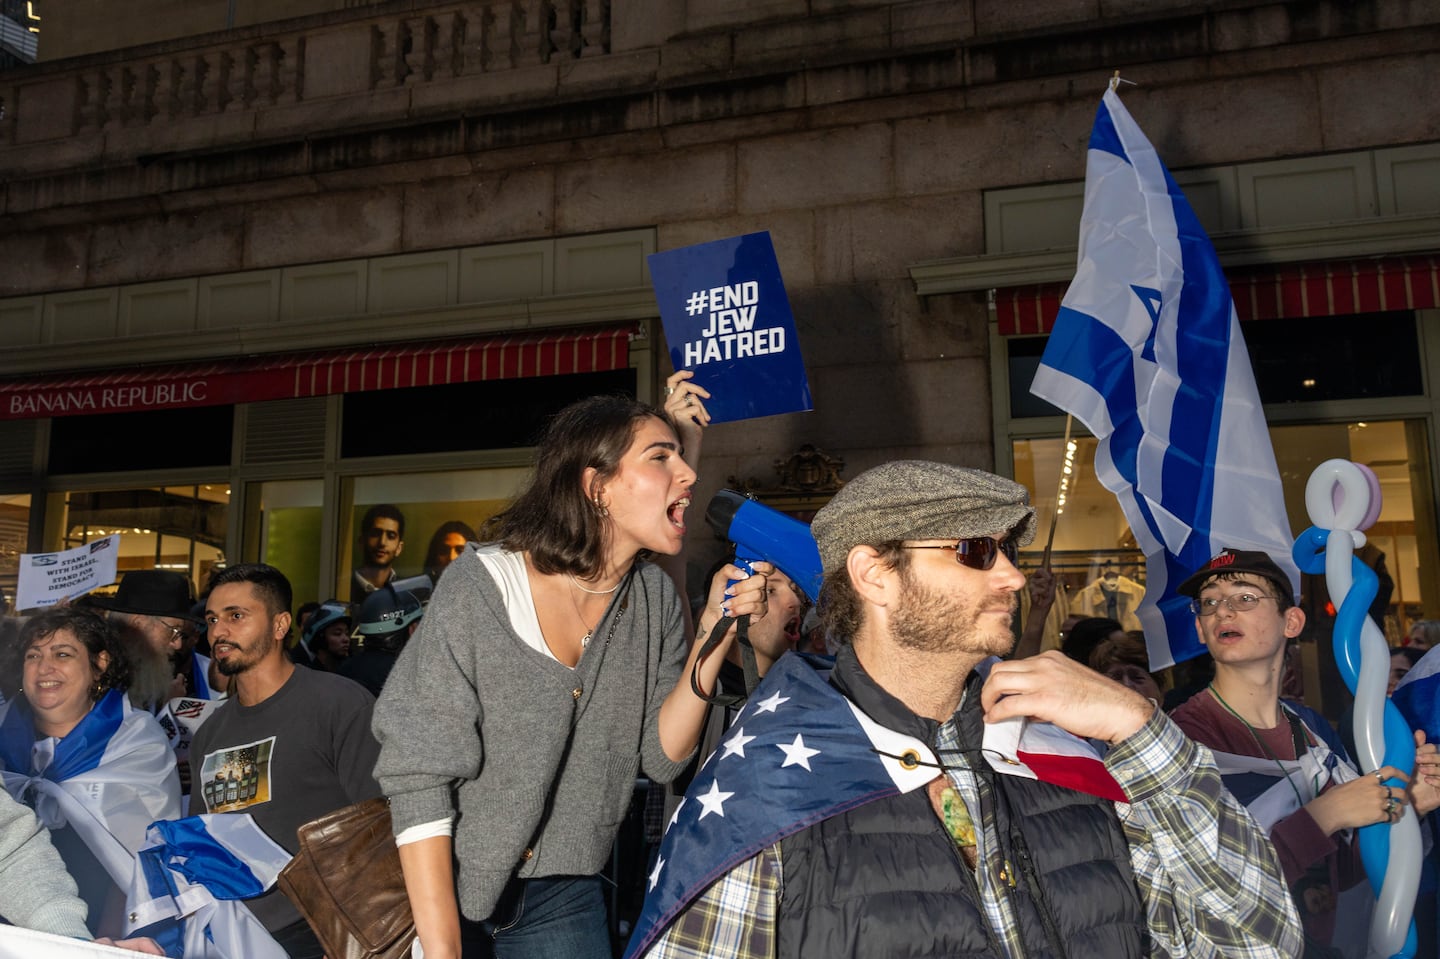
(1237, 603)
(176, 632)
(979, 552)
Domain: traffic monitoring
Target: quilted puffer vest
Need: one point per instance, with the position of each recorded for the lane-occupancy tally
(885, 879)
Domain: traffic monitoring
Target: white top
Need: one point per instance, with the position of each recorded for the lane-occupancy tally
(508, 571)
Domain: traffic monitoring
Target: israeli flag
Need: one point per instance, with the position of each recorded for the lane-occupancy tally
(189, 880)
(1417, 695)
(1147, 353)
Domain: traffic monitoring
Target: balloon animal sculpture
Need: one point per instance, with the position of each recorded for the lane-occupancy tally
(1343, 499)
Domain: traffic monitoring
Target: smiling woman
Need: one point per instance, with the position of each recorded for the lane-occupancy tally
(96, 771)
(547, 671)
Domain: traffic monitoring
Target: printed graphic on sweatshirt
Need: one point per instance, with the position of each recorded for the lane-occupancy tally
(234, 778)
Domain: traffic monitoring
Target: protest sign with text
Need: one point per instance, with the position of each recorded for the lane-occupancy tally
(727, 318)
(49, 578)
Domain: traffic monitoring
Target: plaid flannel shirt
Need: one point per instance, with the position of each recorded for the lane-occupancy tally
(1207, 875)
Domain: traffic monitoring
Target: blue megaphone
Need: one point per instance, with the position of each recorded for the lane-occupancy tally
(762, 533)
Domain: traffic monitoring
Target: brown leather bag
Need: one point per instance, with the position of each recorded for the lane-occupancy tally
(346, 882)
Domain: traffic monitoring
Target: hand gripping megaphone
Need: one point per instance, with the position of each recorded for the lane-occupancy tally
(759, 534)
(762, 533)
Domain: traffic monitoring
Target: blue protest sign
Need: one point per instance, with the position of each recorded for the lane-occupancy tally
(727, 318)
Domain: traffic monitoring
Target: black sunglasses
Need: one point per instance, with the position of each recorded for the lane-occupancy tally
(979, 552)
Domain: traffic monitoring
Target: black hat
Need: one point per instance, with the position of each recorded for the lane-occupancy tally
(1229, 561)
(151, 592)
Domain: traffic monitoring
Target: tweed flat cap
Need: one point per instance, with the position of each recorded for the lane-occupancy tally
(917, 499)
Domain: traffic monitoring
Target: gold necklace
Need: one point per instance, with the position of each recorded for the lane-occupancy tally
(594, 592)
(589, 630)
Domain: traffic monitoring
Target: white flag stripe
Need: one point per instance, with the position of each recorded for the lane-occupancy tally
(1148, 353)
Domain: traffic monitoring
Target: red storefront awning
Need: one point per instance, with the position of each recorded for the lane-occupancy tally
(291, 376)
(1332, 288)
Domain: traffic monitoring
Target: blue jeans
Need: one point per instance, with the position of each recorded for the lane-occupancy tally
(543, 919)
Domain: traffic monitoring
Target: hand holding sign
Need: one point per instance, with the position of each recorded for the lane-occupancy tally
(684, 401)
(727, 319)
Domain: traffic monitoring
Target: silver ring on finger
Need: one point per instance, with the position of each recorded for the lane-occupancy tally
(1379, 777)
(669, 390)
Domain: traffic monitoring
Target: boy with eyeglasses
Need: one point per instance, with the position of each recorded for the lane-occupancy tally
(1294, 782)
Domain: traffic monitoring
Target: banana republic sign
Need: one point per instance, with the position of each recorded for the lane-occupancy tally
(76, 400)
(255, 379)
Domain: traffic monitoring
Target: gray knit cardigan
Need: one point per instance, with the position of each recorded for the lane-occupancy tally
(35, 890)
(537, 761)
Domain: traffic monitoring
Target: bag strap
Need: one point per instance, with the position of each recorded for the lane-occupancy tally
(747, 661)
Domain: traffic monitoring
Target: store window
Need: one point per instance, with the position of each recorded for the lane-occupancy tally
(181, 528)
(1295, 360)
(1095, 555)
(14, 530)
(488, 415)
(151, 440)
(404, 524)
(290, 517)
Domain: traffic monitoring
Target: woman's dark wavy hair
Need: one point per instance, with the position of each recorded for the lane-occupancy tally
(92, 632)
(554, 519)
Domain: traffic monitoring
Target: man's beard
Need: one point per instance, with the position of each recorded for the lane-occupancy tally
(151, 673)
(931, 621)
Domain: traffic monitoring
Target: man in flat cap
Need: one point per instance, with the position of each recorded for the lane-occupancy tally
(891, 815)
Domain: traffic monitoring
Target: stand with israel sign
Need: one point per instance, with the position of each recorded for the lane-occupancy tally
(727, 318)
(49, 578)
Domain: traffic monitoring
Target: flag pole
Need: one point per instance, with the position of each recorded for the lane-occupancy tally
(1066, 471)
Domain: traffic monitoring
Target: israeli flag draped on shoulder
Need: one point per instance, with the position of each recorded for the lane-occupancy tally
(1257, 783)
(111, 777)
(188, 881)
(1147, 353)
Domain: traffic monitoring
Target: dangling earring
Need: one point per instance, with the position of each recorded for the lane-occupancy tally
(601, 508)
(98, 691)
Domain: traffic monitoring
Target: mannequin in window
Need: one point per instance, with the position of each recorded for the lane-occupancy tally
(1112, 596)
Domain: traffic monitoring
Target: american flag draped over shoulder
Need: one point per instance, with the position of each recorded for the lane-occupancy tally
(799, 753)
(1147, 353)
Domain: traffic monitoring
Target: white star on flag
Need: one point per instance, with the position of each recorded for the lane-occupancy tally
(735, 745)
(714, 800)
(838, 762)
(797, 753)
(771, 704)
(655, 875)
(675, 816)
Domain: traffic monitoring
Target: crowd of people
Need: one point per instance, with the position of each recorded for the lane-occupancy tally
(506, 709)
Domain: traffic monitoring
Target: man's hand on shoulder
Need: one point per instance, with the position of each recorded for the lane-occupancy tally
(1054, 688)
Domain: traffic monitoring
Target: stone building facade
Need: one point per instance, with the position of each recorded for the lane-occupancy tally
(386, 174)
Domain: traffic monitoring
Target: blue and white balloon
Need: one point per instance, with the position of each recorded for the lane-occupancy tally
(1343, 499)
